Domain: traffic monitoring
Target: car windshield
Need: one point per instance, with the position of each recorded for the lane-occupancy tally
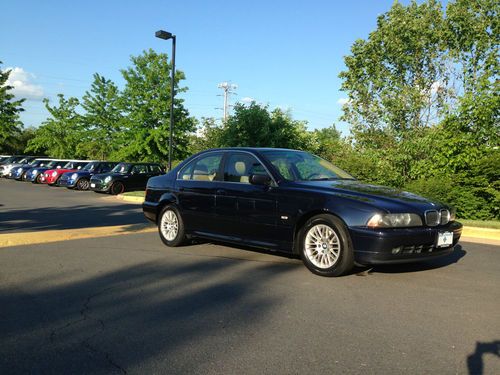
(23, 161)
(89, 167)
(302, 166)
(69, 165)
(121, 168)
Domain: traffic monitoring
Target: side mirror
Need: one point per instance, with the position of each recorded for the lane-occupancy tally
(260, 179)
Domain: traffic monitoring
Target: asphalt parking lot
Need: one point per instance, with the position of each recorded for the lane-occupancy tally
(127, 304)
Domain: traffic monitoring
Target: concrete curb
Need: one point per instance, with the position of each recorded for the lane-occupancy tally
(481, 235)
(126, 198)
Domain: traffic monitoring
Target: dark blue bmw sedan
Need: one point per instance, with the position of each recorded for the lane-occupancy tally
(293, 201)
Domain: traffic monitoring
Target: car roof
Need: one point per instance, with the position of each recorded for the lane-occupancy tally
(251, 149)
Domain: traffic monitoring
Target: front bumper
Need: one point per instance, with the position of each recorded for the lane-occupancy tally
(401, 245)
(66, 182)
(99, 186)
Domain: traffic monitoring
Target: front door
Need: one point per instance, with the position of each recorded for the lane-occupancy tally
(248, 211)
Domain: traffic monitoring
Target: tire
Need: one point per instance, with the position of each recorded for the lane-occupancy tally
(83, 184)
(325, 246)
(117, 188)
(171, 236)
(38, 179)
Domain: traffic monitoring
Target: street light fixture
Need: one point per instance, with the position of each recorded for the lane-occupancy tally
(166, 36)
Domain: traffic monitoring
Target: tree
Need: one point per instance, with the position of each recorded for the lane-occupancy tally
(397, 79)
(102, 119)
(10, 124)
(61, 133)
(207, 136)
(146, 105)
(424, 104)
(255, 126)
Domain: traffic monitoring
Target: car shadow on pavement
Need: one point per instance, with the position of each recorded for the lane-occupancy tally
(444, 261)
(475, 361)
(73, 217)
(144, 318)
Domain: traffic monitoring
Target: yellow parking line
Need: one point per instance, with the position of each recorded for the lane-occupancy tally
(47, 236)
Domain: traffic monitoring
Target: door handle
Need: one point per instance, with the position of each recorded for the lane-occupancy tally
(220, 192)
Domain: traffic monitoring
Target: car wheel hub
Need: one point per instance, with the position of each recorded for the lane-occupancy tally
(322, 246)
(169, 225)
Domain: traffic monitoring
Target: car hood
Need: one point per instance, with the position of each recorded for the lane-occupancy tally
(79, 173)
(392, 199)
(60, 170)
(102, 176)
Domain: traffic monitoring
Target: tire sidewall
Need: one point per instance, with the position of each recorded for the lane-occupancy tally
(179, 239)
(112, 188)
(346, 257)
(80, 181)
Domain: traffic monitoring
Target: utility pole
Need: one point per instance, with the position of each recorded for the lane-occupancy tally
(228, 89)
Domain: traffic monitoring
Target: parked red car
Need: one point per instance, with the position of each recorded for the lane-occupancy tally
(51, 176)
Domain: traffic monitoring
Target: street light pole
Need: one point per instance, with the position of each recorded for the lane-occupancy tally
(166, 35)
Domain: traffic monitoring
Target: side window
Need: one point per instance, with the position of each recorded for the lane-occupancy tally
(139, 169)
(155, 168)
(202, 169)
(239, 168)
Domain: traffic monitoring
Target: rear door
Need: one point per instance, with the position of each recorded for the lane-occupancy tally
(138, 176)
(196, 187)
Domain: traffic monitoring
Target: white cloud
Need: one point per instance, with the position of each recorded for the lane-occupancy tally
(247, 100)
(22, 83)
(343, 101)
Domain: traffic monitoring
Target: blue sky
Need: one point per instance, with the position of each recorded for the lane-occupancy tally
(287, 54)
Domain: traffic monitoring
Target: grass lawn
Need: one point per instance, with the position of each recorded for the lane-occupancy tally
(494, 224)
(134, 194)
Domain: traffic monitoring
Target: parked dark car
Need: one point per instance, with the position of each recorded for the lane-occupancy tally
(35, 175)
(81, 179)
(19, 173)
(292, 201)
(125, 176)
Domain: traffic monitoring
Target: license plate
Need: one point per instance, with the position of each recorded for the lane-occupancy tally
(444, 239)
(92, 185)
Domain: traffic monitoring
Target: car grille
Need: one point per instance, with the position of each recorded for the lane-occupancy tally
(96, 180)
(435, 217)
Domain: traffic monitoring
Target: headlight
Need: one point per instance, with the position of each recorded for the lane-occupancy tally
(394, 221)
(34, 172)
(19, 170)
(54, 174)
(107, 179)
(74, 176)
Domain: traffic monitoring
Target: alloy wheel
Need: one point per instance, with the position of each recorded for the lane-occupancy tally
(322, 246)
(169, 225)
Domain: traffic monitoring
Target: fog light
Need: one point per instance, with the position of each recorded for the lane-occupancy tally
(396, 250)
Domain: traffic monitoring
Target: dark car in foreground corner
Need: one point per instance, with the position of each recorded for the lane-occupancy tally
(81, 179)
(292, 201)
(125, 176)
